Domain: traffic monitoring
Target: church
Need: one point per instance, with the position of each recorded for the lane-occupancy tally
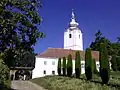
(46, 62)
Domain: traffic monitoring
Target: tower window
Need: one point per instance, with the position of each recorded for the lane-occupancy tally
(79, 36)
(70, 35)
(44, 72)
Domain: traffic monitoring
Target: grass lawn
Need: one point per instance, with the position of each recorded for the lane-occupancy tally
(66, 83)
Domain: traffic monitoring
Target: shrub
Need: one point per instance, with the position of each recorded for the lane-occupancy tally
(69, 65)
(113, 63)
(88, 64)
(104, 64)
(4, 74)
(77, 64)
(59, 66)
(64, 66)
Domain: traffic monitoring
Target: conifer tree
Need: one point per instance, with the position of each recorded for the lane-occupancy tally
(64, 66)
(113, 63)
(59, 66)
(88, 64)
(104, 64)
(69, 65)
(77, 64)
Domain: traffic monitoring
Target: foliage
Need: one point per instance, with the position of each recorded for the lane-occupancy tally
(95, 45)
(66, 83)
(69, 65)
(118, 62)
(113, 63)
(88, 64)
(19, 20)
(59, 67)
(95, 71)
(104, 64)
(77, 64)
(4, 74)
(64, 66)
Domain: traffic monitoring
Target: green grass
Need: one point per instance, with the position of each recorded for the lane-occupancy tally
(66, 83)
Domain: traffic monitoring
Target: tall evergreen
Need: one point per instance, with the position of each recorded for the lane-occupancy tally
(113, 63)
(64, 66)
(104, 64)
(88, 64)
(69, 65)
(59, 66)
(77, 64)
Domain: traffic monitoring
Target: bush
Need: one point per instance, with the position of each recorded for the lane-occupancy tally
(104, 64)
(59, 66)
(113, 63)
(77, 65)
(69, 66)
(64, 66)
(88, 64)
(4, 74)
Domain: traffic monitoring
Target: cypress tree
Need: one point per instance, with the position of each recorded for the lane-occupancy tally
(59, 66)
(77, 64)
(88, 64)
(113, 63)
(69, 66)
(95, 71)
(104, 64)
(64, 66)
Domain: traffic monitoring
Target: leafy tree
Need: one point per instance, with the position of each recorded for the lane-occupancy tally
(118, 62)
(95, 71)
(19, 20)
(88, 64)
(64, 66)
(4, 74)
(77, 64)
(113, 63)
(95, 45)
(104, 64)
(59, 66)
(69, 65)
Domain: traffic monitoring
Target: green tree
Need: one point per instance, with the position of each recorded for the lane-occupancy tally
(113, 63)
(59, 66)
(118, 62)
(19, 20)
(88, 64)
(69, 66)
(95, 45)
(77, 64)
(64, 66)
(4, 74)
(104, 64)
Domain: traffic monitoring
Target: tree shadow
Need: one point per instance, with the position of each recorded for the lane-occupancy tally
(4, 87)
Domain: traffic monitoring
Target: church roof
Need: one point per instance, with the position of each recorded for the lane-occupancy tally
(60, 52)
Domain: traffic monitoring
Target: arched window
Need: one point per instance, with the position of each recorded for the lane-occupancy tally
(70, 35)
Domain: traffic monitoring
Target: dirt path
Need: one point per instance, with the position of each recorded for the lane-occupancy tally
(25, 85)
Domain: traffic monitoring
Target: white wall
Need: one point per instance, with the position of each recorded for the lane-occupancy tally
(75, 42)
(40, 67)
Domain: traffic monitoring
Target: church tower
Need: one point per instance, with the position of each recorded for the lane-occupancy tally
(73, 38)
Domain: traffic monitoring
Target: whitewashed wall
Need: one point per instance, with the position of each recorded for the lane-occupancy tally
(49, 67)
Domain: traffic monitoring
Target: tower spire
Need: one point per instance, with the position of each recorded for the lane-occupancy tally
(73, 15)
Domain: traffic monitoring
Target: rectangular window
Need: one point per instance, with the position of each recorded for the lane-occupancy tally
(82, 65)
(70, 35)
(45, 62)
(44, 72)
(53, 62)
(53, 72)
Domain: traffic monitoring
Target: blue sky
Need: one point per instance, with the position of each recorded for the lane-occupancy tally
(92, 15)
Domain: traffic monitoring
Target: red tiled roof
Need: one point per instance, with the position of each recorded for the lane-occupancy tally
(60, 52)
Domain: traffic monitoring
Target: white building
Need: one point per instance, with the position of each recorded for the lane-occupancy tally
(46, 62)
